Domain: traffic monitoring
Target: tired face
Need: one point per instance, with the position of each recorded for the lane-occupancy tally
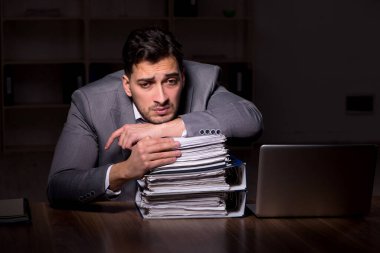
(155, 88)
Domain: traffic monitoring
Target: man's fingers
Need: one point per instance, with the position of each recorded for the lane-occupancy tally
(164, 155)
(161, 162)
(148, 143)
(126, 142)
(160, 158)
(113, 136)
(155, 145)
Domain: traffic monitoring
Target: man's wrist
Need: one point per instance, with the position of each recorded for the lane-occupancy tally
(173, 128)
(110, 194)
(117, 177)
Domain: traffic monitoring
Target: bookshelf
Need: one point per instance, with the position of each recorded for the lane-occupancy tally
(49, 48)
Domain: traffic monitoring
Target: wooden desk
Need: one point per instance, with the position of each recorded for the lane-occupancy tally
(118, 227)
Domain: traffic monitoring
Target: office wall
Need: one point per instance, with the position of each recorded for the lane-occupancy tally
(310, 55)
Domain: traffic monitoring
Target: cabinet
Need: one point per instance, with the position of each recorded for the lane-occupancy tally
(49, 48)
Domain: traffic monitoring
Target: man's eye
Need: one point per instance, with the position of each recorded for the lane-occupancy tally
(172, 81)
(144, 84)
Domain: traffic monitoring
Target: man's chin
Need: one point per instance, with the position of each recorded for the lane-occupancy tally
(160, 119)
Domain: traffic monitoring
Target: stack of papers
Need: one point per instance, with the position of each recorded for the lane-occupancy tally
(203, 182)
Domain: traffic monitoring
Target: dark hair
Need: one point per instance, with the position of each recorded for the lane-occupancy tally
(150, 44)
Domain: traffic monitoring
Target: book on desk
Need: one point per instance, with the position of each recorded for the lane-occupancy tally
(14, 211)
(204, 183)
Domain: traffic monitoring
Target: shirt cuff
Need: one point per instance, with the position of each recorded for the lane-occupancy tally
(109, 193)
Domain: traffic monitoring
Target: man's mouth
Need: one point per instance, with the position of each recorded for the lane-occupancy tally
(161, 110)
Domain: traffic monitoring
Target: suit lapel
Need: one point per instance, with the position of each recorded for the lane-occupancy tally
(122, 110)
(122, 113)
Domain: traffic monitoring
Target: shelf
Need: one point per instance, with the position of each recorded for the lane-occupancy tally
(218, 60)
(99, 70)
(216, 19)
(41, 84)
(43, 9)
(33, 127)
(49, 48)
(30, 148)
(45, 62)
(110, 18)
(37, 107)
(10, 19)
(108, 60)
(237, 78)
(212, 8)
(204, 41)
(111, 35)
(128, 9)
(49, 40)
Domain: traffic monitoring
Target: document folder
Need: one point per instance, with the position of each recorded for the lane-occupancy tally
(234, 208)
(208, 193)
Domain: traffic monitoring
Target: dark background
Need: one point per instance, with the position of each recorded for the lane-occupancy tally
(312, 68)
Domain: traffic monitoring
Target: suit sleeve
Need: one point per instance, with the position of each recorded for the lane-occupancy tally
(232, 115)
(75, 175)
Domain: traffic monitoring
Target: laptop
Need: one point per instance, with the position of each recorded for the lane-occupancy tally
(315, 180)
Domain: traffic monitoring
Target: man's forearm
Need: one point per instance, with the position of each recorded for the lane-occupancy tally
(129, 134)
(232, 115)
(174, 128)
(118, 177)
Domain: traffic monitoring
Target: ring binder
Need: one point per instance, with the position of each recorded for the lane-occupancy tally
(190, 188)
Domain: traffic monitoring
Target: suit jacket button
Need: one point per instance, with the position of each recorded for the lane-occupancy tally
(202, 132)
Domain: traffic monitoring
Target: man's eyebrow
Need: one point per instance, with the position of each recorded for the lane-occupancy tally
(148, 79)
(174, 74)
(151, 79)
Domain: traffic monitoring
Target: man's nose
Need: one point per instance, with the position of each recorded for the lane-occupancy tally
(160, 94)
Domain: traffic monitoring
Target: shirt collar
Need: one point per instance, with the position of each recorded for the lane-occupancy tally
(137, 114)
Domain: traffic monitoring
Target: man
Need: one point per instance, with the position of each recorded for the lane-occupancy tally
(119, 128)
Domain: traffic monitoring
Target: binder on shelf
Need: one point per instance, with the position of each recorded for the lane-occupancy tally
(204, 183)
(185, 8)
(240, 80)
(73, 79)
(8, 91)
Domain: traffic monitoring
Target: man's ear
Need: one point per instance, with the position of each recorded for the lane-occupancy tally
(127, 85)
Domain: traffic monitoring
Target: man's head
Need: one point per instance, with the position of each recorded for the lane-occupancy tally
(150, 44)
(153, 73)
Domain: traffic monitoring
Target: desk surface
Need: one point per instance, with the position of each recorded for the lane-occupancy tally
(118, 227)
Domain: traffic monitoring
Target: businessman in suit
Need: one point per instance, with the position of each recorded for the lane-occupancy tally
(121, 126)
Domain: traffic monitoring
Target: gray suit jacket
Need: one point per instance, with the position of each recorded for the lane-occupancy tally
(80, 162)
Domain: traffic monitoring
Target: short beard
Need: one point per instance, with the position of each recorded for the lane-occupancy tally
(157, 120)
(160, 121)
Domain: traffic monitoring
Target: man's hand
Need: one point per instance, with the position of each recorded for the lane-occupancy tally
(147, 154)
(130, 134)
